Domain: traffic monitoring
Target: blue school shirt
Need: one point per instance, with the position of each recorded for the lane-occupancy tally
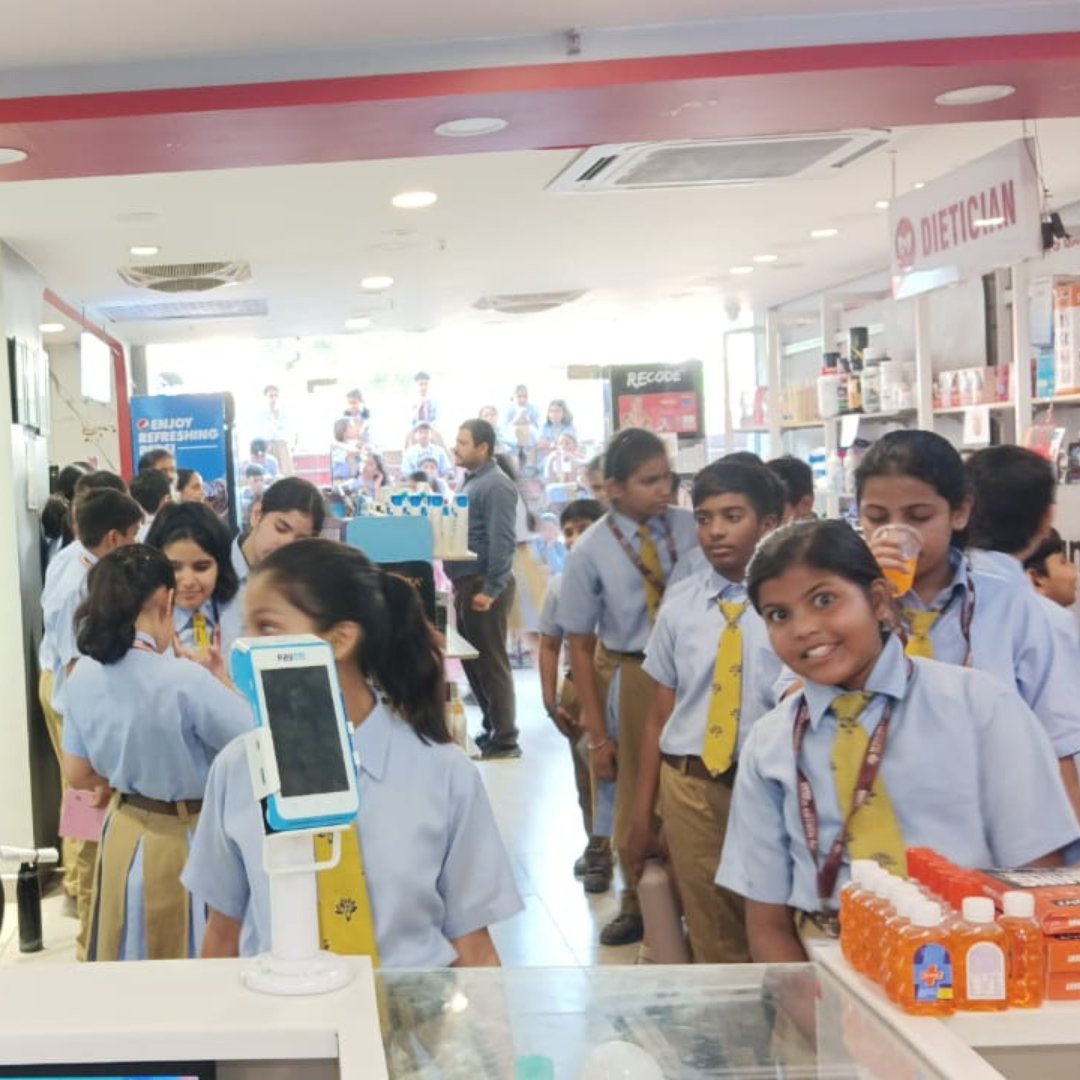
(968, 768)
(151, 723)
(232, 613)
(63, 594)
(681, 655)
(435, 864)
(1011, 639)
(603, 591)
(549, 613)
(185, 622)
(1062, 619)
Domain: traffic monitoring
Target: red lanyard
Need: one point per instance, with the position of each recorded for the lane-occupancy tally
(143, 646)
(868, 772)
(657, 583)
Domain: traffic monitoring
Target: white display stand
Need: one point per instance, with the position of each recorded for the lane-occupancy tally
(188, 1010)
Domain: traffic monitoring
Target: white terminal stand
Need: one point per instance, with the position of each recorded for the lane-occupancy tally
(295, 964)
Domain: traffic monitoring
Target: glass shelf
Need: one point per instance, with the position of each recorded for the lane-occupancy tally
(682, 1023)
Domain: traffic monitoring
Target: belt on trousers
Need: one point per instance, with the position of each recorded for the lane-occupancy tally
(828, 922)
(689, 765)
(183, 808)
(636, 657)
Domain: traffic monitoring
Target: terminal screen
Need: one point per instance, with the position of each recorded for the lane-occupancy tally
(304, 724)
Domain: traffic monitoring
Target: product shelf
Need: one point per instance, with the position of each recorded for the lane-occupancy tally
(995, 406)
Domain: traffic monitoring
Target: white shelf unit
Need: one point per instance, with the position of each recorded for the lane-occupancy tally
(823, 319)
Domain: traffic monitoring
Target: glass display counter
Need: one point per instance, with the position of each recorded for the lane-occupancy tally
(650, 1022)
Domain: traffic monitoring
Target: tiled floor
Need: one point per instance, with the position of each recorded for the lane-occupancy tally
(536, 806)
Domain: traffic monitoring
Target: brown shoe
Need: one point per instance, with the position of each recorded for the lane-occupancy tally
(623, 930)
(597, 879)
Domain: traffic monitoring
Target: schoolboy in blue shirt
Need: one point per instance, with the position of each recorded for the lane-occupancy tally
(1054, 576)
(713, 671)
(562, 705)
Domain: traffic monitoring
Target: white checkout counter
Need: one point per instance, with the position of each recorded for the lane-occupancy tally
(187, 1011)
(810, 1020)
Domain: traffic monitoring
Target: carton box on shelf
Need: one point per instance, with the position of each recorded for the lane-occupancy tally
(1067, 338)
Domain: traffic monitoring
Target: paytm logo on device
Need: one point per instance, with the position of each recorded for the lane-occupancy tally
(288, 657)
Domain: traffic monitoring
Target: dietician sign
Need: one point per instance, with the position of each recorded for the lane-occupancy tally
(981, 217)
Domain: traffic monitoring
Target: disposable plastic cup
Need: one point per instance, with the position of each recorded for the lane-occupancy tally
(909, 542)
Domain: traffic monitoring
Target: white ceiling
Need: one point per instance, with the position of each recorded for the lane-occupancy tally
(61, 33)
(311, 233)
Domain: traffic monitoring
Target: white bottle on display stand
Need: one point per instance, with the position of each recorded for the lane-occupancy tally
(461, 525)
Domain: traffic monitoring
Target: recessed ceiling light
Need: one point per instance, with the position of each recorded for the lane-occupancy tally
(765, 259)
(469, 126)
(52, 328)
(988, 223)
(919, 185)
(144, 249)
(414, 200)
(230, 284)
(376, 283)
(358, 322)
(741, 271)
(975, 95)
(882, 204)
(10, 155)
(824, 234)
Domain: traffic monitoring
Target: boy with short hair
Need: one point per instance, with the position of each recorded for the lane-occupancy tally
(1052, 572)
(105, 520)
(798, 480)
(595, 865)
(160, 460)
(151, 490)
(713, 673)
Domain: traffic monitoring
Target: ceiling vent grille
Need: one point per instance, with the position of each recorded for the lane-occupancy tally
(185, 277)
(527, 303)
(715, 163)
(185, 309)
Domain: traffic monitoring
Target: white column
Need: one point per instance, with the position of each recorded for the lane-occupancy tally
(23, 741)
(924, 363)
(773, 375)
(1021, 347)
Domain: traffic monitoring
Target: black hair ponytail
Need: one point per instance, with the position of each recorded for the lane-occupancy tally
(118, 588)
(406, 663)
(332, 583)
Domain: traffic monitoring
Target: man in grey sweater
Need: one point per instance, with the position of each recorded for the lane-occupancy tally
(484, 590)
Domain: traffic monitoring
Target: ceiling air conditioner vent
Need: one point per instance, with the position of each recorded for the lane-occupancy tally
(715, 163)
(527, 303)
(185, 277)
(185, 309)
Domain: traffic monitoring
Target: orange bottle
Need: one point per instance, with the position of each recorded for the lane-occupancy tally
(856, 890)
(905, 903)
(876, 942)
(1026, 951)
(923, 974)
(980, 947)
(872, 917)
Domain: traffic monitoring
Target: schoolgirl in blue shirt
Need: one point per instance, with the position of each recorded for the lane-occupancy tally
(611, 593)
(957, 611)
(291, 509)
(879, 752)
(147, 725)
(436, 870)
(196, 542)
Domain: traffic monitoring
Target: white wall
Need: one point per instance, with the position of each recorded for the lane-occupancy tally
(81, 430)
(28, 772)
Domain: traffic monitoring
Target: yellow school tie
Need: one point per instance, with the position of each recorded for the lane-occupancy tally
(346, 924)
(201, 630)
(874, 832)
(650, 559)
(921, 623)
(721, 734)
